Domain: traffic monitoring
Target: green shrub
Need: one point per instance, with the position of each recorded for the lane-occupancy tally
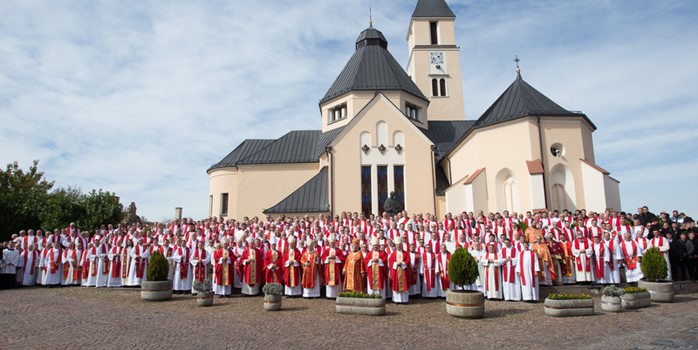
(563, 296)
(360, 295)
(158, 267)
(612, 291)
(633, 290)
(462, 269)
(653, 265)
(272, 289)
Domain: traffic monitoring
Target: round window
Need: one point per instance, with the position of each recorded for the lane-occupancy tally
(557, 150)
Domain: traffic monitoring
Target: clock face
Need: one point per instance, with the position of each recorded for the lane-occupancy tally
(437, 58)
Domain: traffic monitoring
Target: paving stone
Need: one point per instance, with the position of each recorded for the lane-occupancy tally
(117, 318)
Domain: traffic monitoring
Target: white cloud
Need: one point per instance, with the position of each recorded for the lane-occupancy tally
(141, 98)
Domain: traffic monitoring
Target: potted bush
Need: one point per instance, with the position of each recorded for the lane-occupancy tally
(359, 303)
(610, 298)
(204, 294)
(272, 296)
(654, 269)
(565, 305)
(463, 271)
(635, 298)
(157, 287)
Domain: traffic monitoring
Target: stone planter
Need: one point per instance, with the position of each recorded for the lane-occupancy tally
(204, 298)
(156, 290)
(636, 300)
(567, 308)
(662, 292)
(611, 303)
(465, 304)
(272, 302)
(360, 306)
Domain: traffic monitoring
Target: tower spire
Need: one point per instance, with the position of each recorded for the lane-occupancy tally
(370, 17)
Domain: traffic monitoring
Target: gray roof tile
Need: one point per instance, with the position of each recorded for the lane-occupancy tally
(372, 67)
(245, 149)
(433, 8)
(522, 100)
(446, 133)
(298, 146)
(312, 196)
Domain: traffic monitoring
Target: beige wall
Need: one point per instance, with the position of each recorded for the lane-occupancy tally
(419, 191)
(222, 181)
(574, 134)
(421, 70)
(357, 100)
(253, 188)
(491, 148)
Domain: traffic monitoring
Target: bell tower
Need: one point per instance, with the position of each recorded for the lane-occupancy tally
(434, 61)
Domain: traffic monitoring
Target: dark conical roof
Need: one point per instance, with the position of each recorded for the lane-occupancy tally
(522, 100)
(372, 67)
(433, 8)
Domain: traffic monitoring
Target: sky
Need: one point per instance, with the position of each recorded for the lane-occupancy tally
(140, 98)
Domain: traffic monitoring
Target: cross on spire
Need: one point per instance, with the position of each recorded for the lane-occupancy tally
(517, 60)
(370, 17)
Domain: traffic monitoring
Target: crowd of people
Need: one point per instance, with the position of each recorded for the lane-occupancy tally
(397, 256)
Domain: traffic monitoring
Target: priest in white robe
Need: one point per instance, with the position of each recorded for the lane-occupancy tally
(511, 281)
(200, 259)
(101, 259)
(428, 271)
(71, 266)
(631, 258)
(492, 261)
(182, 281)
(600, 261)
(29, 260)
(52, 266)
(582, 250)
(527, 270)
(139, 264)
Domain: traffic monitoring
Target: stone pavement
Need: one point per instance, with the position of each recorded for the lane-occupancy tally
(72, 318)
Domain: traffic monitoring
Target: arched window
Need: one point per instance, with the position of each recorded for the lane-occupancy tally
(434, 87)
(443, 87)
(559, 201)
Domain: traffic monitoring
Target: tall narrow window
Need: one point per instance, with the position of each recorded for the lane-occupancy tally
(224, 204)
(435, 87)
(559, 200)
(210, 205)
(366, 195)
(399, 181)
(443, 87)
(434, 33)
(382, 173)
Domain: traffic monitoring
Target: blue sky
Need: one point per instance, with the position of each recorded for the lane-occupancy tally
(141, 97)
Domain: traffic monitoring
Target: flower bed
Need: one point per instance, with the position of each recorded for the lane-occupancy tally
(566, 305)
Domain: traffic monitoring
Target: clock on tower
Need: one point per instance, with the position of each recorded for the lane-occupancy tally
(437, 57)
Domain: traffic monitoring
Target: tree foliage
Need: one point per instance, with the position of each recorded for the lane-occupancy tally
(101, 208)
(63, 206)
(462, 268)
(27, 202)
(22, 198)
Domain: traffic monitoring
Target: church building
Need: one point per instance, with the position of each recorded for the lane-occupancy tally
(385, 128)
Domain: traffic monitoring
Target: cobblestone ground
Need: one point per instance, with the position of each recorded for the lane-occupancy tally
(72, 318)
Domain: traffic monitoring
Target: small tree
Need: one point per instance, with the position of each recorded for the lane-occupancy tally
(653, 265)
(158, 267)
(462, 269)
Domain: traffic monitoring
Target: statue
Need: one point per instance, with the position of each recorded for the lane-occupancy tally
(392, 205)
(131, 216)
